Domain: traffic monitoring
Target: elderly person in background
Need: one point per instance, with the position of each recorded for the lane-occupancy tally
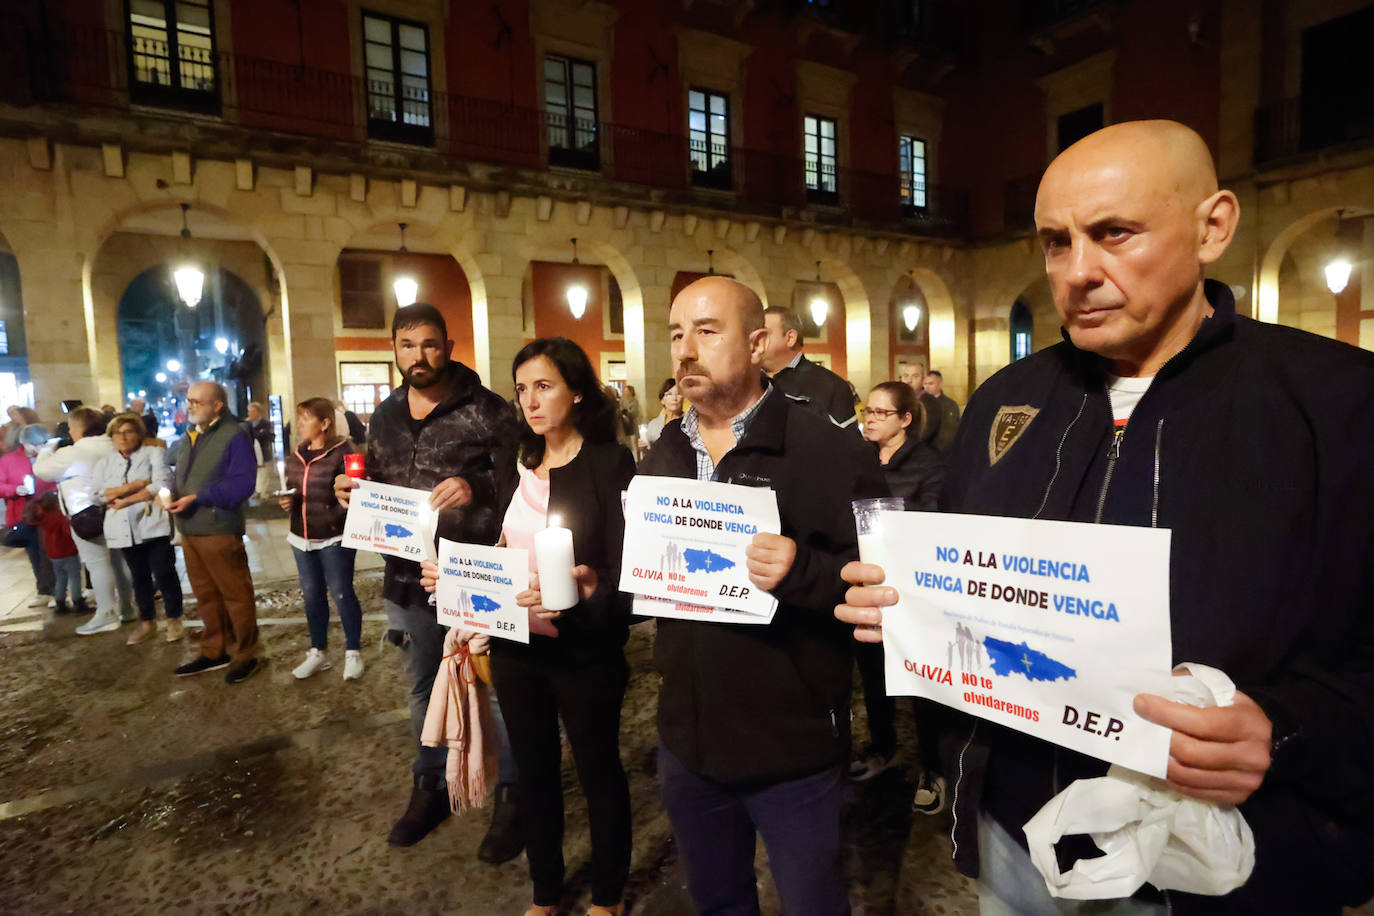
(137, 527)
(72, 467)
(213, 477)
(671, 399)
(19, 418)
(139, 408)
(267, 482)
(18, 486)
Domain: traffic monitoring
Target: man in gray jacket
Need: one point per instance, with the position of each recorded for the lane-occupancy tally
(214, 470)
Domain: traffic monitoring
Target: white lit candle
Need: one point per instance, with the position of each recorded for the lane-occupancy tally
(28, 482)
(164, 496)
(553, 558)
(429, 524)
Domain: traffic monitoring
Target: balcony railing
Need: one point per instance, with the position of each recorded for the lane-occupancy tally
(89, 68)
(1292, 128)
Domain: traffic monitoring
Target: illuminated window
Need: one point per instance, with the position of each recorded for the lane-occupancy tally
(819, 158)
(708, 138)
(172, 54)
(911, 165)
(396, 57)
(570, 112)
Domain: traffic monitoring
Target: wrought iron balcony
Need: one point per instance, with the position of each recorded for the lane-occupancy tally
(89, 69)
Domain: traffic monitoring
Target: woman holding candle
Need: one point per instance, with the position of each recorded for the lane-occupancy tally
(137, 526)
(18, 486)
(572, 472)
(317, 525)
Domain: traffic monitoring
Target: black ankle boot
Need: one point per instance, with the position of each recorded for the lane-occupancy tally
(62, 608)
(428, 808)
(81, 608)
(505, 837)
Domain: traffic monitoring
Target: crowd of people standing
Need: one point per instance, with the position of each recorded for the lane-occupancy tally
(753, 721)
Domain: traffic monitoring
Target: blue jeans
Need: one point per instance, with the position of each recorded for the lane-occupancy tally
(423, 653)
(67, 576)
(715, 826)
(330, 568)
(1010, 885)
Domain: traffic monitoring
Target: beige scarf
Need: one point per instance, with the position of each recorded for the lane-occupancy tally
(458, 718)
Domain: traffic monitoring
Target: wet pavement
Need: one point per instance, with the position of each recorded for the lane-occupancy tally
(128, 790)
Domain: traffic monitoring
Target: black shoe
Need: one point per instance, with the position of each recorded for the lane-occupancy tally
(62, 609)
(506, 836)
(81, 608)
(241, 673)
(428, 808)
(201, 664)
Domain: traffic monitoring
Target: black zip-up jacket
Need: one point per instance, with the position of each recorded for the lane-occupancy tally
(916, 473)
(1253, 445)
(745, 704)
(819, 390)
(471, 434)
(315, 512)
(585, 495)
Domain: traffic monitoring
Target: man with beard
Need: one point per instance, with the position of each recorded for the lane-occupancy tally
(441, 431)
(754, 720)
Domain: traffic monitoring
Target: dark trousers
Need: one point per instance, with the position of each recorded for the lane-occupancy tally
(154, 561)
(217, 566)
(42, 569)
(534, 696)
(324, 572)
(715, 827)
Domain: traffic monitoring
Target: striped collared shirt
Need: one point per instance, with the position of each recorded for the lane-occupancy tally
(706, 468)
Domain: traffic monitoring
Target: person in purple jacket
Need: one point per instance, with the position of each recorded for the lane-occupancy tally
(214, 472)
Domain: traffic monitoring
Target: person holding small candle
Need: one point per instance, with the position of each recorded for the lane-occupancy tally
(567, 510)
(671, 399)
(18, 486)
(137, 526)
(445, 433)
(316, 533)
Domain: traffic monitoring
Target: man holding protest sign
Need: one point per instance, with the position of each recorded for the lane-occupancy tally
(1163, 409)
(754, 719)
(441, 432)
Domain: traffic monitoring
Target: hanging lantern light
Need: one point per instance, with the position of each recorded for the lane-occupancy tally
(911, 314)
(1337, 275)
(819, 307)
(189, 279)
(404, 286)
(577, 293)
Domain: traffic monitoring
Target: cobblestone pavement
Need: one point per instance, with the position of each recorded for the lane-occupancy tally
(127, 790)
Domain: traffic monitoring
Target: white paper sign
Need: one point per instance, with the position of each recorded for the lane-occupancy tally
(477, 589)
(396, 521)
(1051, 628)
(681, 610)
(685, 541)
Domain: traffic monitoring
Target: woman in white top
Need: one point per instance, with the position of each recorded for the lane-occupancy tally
(137, 528)
(671, 399)
(71, 468)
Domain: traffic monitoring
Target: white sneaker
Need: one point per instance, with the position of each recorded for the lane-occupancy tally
(353, 665)
(100, 623)
(41, 601)
(314, 661)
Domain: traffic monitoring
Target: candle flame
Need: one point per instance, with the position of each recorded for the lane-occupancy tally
(555, 521)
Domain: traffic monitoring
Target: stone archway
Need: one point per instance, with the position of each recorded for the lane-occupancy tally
(944, 331)
(1293, 288)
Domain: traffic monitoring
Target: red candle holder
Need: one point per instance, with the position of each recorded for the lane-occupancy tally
(355, 466)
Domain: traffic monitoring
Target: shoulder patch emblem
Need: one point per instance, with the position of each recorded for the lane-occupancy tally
(1007, 427)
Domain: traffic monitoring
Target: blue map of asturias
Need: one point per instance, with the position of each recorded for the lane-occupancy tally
(397, 531)
(1019, 658)
(483, 603)
(705, 561)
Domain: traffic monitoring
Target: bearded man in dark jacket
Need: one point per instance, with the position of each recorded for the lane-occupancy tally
(1251, 443)
(441, 431)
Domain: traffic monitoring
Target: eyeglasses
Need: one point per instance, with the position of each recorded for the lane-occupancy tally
(192, 402)
(878, 412)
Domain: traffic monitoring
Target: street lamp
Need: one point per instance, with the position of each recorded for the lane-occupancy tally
(911, 314)
(1337, 275)
(173, 365)
(577, 293)
(161, 377)
(222, 345)
(404, 286)
(189, 279)
(819, 307)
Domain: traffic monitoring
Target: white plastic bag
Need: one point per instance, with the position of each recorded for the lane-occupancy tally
(1147, 831)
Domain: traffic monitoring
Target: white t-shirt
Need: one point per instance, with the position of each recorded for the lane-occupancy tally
(1125, 393)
